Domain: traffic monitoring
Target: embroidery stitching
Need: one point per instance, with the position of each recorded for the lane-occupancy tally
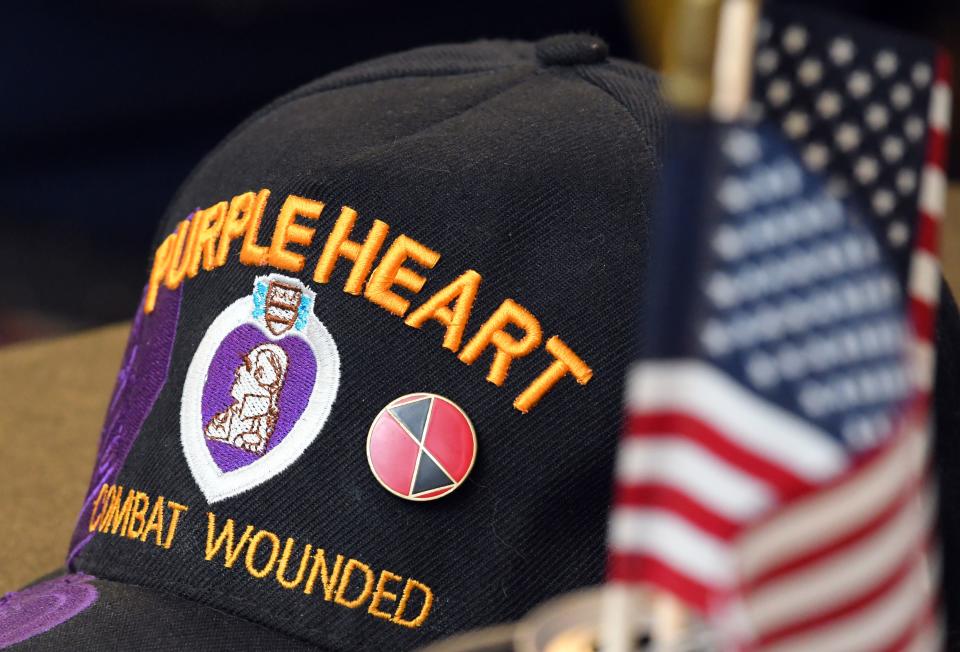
(158, 272)
(250, 559)
(348, 575)
(252, 253)
(180, 256)
(329, 582)
(381, 593)
(285, 559)
(437, 307)
(209, 222)
(173, 258)
(566, 362)
(262, 382)
(507, 347)
(287, 231)
(391, 272)
(338, 246)
(351, 566)
(405, 598)
(108, 514)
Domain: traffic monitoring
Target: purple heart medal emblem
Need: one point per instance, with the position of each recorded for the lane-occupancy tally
(259, 388)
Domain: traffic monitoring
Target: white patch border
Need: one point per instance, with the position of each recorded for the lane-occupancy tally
(216, 484)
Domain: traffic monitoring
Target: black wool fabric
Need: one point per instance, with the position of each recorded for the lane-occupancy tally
(536, 171)
(534, 165)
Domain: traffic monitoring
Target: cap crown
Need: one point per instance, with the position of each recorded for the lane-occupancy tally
(498, 208)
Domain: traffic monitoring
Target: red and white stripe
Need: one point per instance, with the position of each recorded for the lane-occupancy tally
(923, 287)
(847, 560)
(688, 420)
(855, 566)
(850, 567)
(844, 562)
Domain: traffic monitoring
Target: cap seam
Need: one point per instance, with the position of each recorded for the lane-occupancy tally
(453, 116)
(645, 143)
(301, 94)
(648, 146)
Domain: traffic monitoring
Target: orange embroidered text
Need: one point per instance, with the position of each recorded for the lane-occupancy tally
(508, 337)
(343, 581)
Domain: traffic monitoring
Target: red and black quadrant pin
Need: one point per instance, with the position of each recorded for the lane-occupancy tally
(421, 446)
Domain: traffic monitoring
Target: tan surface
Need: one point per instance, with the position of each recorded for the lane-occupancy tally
(951, 239)
(53, 396)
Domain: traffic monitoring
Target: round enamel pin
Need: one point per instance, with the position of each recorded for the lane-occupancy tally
(421, 447)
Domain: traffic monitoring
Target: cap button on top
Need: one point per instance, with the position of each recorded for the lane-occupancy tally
(571, 50)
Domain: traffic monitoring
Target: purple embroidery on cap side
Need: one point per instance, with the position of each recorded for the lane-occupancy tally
(40, 608)
(143, 373)
(231, 374)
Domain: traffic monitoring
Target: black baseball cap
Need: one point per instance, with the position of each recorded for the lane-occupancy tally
(372, 391)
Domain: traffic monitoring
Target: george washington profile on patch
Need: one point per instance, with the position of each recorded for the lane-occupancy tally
(259, 388)
(250, 420)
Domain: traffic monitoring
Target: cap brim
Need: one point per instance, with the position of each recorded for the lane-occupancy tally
(80, 612)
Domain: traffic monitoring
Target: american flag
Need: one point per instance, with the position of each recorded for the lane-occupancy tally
(868, 109)
(774, 470)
